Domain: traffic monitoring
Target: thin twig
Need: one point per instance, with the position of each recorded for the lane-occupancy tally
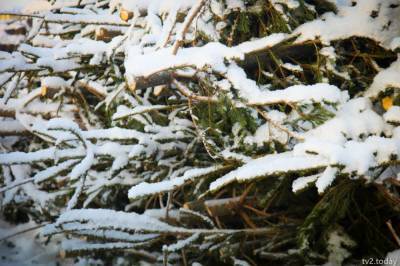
(22, 232)
(393, 232)
(200, 133)
(16, 184)
(186, 92)
(186, 24)
(277, 125)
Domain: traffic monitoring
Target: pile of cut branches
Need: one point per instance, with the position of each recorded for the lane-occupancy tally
(200, 132)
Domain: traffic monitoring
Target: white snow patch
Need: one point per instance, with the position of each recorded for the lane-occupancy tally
(392, 115)
(388, 77)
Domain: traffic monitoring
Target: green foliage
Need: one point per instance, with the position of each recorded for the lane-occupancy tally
(300, 224)
(222, 118)
(362, 210)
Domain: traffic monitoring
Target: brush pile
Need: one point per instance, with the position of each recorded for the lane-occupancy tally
(199, 132)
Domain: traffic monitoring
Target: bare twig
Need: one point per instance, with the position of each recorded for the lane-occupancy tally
(186, 92)
(186, 24)
(279, 126)
(22, 232)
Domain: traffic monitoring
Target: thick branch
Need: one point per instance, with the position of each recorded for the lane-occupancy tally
(305, 52)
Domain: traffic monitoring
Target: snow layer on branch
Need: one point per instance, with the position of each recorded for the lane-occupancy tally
(235, 4)
(86, 19)
(386, 78)
(302, 182)
(289, 3)
(298, 93)
(356, 156)
(23, 157)
(11, 127)
(83, 167)
(114, 133)
(212, 55)
(8, 38)
(249, 90)
(262, 43)
(67, 126)
(341, 141)
(354, 120)
(326, 179)
(104, 218)
(123, 111)
(117, 235)
(39, 156)
(355, 21)
(291, 67)
(395, 44)
(53, 171)
(15, 61)
(181, 243)
(79, 245)
(273, 164)
(53, 82)
(392, 115)
(144, 189)
(82, 46)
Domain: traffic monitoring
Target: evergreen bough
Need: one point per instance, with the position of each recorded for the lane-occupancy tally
(204, 131)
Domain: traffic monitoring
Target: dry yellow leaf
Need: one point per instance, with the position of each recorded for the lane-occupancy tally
(387, 102)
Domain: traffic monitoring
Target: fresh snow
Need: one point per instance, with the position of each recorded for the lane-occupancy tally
(123, 111)
(302, 182)
(53, 82)
(144, 189)
(109, 219)
(181, 243)
(79, 245)
(326, 179)
(153, 6)
(392, 115)
(341, 141)
(53, 151)
(274, 164)
(213, 54)
(386, 78)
